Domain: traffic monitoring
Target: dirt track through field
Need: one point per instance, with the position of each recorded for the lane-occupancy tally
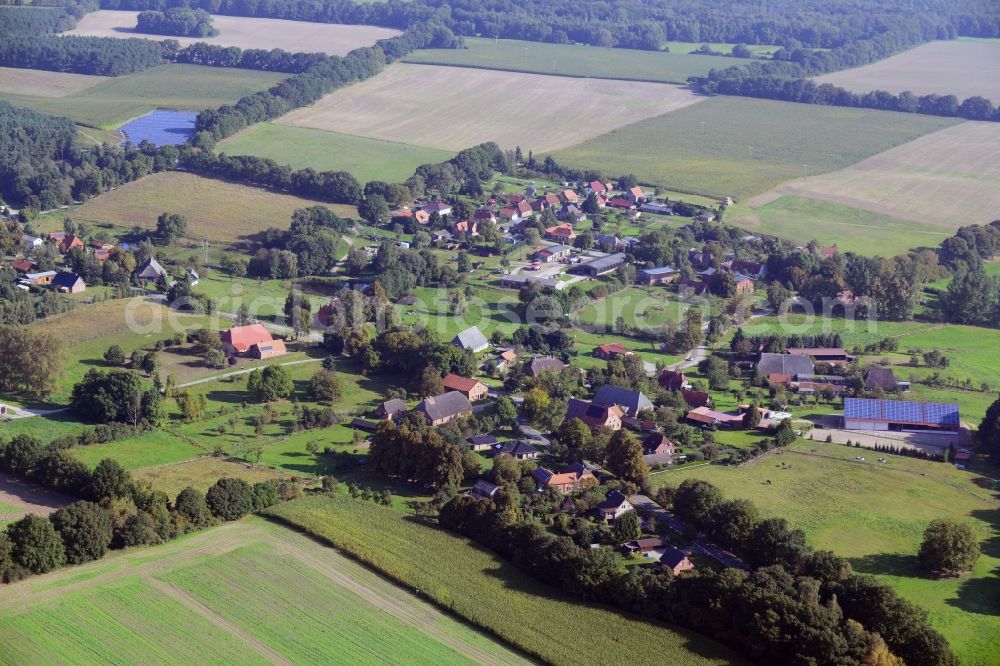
(247, 33)
(186, 599)
(452, 108)
(28, 498)
(947, 178)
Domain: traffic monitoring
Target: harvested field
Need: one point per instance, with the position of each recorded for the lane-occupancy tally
(216, 210)
(118, 99)
(201, 473)
(213, 597)
(18, 498)
(301, 147)
(45, 84)
(451, 108)
(248, 33)
(948, 179)
(737, 146)
(963, 67)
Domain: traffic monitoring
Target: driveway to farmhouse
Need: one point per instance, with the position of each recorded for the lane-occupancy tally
(205, 380)
(644, 504)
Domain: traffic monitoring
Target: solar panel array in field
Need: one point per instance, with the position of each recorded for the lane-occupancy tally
(901, 411)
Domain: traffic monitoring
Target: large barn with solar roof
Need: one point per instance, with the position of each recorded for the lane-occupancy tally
(898, 415)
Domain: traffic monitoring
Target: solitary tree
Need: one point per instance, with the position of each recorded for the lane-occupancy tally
(114, 355)
(949, 548)
(170, 226)
(751, 417)
(628, 527)
(624, 458)
(325, 386)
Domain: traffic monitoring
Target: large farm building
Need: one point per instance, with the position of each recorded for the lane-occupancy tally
(866, 414)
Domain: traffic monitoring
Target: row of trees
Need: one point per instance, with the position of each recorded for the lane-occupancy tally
(274, 60)
(748, 80)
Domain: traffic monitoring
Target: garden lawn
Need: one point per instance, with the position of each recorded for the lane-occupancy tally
(483, 589)
(874, 514)
(301, 147)
(737, 146)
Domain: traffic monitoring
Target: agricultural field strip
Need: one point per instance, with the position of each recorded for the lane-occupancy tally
(470, 106)
(43, 83)
(247, 33)
(225, 539)
(927, 180)
(962, 67)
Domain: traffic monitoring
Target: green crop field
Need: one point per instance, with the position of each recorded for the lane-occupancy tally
(244, 593)
(181, 87)
(367, 159)
(730, 146)
(585, 61)
(216, 210)
(489, 592)
(851, 229)
(874, 514)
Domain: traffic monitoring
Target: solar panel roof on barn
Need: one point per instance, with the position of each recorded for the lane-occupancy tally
(902, 411)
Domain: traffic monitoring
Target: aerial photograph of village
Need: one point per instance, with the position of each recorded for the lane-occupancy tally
(433, 332)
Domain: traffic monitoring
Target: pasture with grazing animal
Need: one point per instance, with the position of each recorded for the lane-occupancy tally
(452, 108)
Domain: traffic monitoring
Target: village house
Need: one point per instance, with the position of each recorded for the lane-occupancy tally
(472, 389)
(252, 339)
(560, 233)
(705, 416)
(537, 366)
(484, 489)
(784, 364)
(829, 355)
(150, 271)
(631, 402)
(465, 228)
(660, 275)
(613, 507)
(572, 213)
(643, 546)
(481, 442)
(23, 265)
(659, 446)
(441, 409)
(595, 415)
(621, 203)
(597, 187)
(656, 207)
(471, 339)
(609, 351)
(68, 283)
(31, 243)
(568, 480)
(553, 253)
(696, 398)
(421, 216)
(570, 197)
(673, 380)
(744, 284)
(517, 449)
(69, 242)
(41, 279)
(676, 561)
(602, 265)
(880, 379)
(439, 207)
(635, 195)
(390, 410)
(545, 201)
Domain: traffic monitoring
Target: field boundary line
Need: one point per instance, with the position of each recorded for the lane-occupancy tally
(185, 598)
(566, 75)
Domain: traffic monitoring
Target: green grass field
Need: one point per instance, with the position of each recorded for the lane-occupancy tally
(583, 61)
(201, 473)
(874, 514)
(181, 87)
(851, 229)
(730, 146)
(367, 159)
(244, 593)
(489, 592)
